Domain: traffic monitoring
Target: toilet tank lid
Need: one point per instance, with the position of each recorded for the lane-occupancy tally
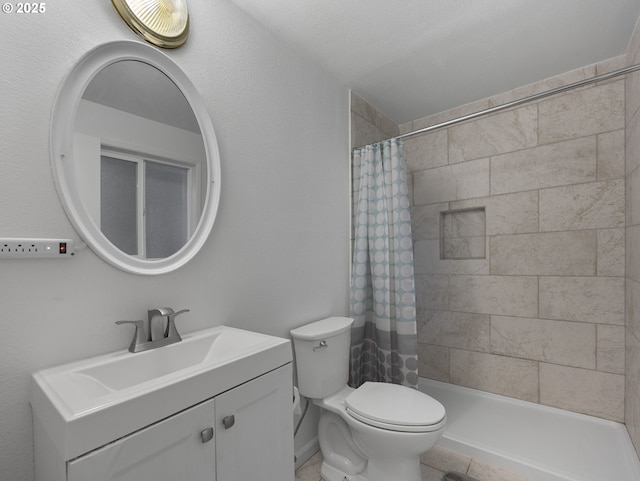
(331, 326)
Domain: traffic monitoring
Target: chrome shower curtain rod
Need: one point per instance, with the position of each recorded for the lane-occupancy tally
(515, 103)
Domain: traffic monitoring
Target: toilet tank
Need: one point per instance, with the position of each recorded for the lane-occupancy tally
(322, 356)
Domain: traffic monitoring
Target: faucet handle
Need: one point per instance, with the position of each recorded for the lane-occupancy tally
(171, 330)
(138, 335)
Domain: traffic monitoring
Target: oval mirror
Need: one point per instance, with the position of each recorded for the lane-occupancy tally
(135, 158)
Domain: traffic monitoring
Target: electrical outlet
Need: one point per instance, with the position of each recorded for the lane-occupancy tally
(32, 248)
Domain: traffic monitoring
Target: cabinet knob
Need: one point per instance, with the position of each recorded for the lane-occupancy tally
(228, 421)
(206, 435)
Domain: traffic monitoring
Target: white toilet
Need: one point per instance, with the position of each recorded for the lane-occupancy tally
(373, 433)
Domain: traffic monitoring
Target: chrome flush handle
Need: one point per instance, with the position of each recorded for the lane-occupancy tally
(322, 345)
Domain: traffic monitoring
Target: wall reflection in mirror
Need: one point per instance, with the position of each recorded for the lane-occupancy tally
(139, 160)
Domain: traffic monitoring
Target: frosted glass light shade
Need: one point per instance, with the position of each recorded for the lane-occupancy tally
(164, 23)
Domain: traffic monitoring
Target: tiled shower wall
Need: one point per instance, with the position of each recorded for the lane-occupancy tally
(368, 125)
(632, 387)
(537, 313)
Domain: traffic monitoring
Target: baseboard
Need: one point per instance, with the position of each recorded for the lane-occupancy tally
(307, 451)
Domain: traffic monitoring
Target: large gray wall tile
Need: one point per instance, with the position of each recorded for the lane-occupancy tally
(564, 163)
(570, 253)
(586, 299)
(364, 132)
(504, 132)
(610, 352)
(427, 261)
(584, 391)
(611, 252)
(611, 155)
(581, 113)
(508, 213)
(425, 220)
(433, 362)
(502, 295)
(633, 197)
(632, 252)
(452, 182)
(632, 355)
(632, 303)
(363, 109)
(427, 151)
(460, 330)
(516, 378)
(584, 206)
(632, 143)
(558, 342)
(432, 292)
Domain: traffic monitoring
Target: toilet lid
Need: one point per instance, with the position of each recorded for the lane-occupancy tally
(395, 407)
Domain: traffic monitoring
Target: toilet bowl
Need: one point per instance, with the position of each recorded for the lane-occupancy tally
(373, 433)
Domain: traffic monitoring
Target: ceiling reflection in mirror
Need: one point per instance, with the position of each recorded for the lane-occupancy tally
(141, 89)
(140, 160)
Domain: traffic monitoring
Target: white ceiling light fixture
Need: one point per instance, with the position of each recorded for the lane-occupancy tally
(164, 23)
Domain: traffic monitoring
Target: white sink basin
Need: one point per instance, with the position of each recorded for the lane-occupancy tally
(83, 405)
(127, 371)
(206, 348)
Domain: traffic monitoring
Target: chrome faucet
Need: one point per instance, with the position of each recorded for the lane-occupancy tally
(140, 342)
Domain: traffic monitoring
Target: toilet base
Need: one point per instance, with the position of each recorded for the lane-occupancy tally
(344, 459)
(330, 473)
(408, 470)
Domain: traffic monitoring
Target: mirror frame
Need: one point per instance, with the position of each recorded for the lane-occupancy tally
(62, 162)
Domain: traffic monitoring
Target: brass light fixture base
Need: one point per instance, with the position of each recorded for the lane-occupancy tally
(164, 23)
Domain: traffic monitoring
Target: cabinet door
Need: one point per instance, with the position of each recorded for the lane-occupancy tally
(171, 450)
(254, 424)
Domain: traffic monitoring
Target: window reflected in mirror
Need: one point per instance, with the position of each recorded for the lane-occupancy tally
(144, 205)
(119, 203)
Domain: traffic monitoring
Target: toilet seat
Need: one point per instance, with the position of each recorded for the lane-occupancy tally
(395, 408)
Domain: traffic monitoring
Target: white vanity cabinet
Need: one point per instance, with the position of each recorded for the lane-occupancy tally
(226, 417)
(257, 441)
(252, 440)
(168, 451)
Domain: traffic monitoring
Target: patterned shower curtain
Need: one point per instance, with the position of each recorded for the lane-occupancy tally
(384, 335)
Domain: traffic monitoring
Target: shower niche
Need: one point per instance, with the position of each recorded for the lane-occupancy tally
(463, 234)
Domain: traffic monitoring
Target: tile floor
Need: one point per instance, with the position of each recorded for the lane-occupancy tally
(434, 464)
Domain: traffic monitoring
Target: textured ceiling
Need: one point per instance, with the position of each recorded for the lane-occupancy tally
(412, 58)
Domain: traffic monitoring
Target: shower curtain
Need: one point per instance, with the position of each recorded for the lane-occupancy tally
(384, 335)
